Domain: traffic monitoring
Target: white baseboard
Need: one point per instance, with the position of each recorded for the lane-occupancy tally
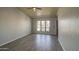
(13, 40)
(61, 45)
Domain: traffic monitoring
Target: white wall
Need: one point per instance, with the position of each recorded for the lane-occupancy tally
(53, 28)
(13, 25)
(68, 19)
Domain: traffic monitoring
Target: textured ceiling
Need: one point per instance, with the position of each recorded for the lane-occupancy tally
(44, 12)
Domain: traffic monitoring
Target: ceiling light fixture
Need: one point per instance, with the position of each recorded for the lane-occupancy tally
(34, 9)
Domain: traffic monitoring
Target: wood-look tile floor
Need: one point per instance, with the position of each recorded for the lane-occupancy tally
(34, 42)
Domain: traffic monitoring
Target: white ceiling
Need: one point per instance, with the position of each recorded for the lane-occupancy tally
(44, 12)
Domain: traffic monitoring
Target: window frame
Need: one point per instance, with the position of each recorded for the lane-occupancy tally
(41, 24)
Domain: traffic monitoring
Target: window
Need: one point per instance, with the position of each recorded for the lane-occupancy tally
(38, 25)
(43, 25)
(47, 25)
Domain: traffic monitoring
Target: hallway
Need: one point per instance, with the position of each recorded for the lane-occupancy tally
(34, 42)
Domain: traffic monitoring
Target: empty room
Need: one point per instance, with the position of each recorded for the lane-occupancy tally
(39, 28)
